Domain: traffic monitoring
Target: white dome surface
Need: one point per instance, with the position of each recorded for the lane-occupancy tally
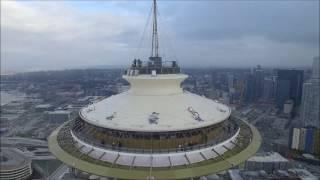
(129, 112)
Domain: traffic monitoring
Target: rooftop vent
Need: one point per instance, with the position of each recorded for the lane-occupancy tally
(221, 110)
(112, 116)
(153, 118)
(195, 114)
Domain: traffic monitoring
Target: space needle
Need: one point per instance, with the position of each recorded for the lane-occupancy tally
(155, 130)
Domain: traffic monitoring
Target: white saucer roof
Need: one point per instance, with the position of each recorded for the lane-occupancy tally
(153, 110)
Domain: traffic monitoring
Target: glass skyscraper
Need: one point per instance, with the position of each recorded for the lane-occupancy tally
(289, 87)
(311, 97)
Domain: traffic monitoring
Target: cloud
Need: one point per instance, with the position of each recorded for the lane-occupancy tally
(282, 21)
(71, 34)
(52, 36)
(246, 52)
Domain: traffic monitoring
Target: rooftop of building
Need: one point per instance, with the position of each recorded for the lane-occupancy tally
(59, 112)
(12, 159)
(155, 113)
(268, 157)
(44, 106)
(294, 173)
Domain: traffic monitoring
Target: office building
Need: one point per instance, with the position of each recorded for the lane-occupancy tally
(305, 140)
(268, 89)
(310, 108)
(289, 87)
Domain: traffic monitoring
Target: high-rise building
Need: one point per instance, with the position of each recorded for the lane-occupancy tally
(289, 87)
(310, 107)
(268, 89)
(155, 130)
(254, 84)
(258, 75)
(249, 92)
(231, 83)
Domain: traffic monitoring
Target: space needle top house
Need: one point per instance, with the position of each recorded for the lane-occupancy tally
(155, 130)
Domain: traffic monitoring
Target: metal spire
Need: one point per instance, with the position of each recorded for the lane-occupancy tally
(155, 41)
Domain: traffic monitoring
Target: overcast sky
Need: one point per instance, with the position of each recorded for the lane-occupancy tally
(76, 34)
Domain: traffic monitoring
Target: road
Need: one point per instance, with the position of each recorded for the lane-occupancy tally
(59, 172)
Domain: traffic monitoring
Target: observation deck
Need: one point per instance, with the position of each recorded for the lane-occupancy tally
(153, 66)
(197, 162)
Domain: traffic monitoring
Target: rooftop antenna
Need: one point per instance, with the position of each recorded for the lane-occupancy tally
(155, 39)
(154, 65)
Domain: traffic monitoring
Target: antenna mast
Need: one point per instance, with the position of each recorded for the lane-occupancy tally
(155, 40)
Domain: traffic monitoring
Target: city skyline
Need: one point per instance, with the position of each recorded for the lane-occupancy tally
(228, 94)
(39, 102)
(67, 35)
